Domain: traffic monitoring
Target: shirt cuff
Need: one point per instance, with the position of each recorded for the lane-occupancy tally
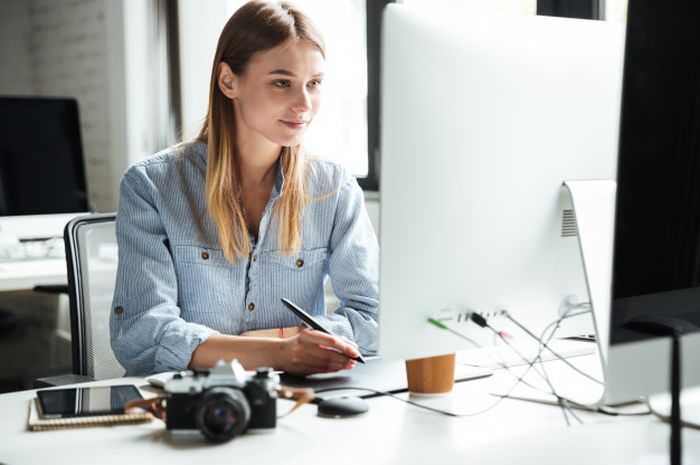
(175, 349)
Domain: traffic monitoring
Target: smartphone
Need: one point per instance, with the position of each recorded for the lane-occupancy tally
(88, 401)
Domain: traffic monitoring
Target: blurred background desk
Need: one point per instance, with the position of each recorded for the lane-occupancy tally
(34, 326)
(25, 275)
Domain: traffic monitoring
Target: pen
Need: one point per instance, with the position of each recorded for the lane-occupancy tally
(313, 324)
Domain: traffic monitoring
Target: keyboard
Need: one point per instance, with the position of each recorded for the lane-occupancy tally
(32, 251)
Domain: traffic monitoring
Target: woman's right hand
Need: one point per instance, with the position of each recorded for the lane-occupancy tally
(312, 352)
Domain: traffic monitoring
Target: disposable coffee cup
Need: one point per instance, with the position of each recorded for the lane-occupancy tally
(432, 375)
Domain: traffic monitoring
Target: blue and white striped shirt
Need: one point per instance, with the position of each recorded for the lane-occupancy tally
(175, 288)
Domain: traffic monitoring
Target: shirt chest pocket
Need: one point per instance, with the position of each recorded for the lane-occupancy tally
(300, 261)
(297, 276)
(206, 280)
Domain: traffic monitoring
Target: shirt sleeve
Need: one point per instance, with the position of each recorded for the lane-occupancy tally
(147, 333)
(353, 266)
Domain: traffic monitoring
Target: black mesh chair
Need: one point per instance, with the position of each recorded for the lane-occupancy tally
(91, 256)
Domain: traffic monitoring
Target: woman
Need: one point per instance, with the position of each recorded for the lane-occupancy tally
(214, 232)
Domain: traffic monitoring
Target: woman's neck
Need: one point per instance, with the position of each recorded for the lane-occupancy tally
(257, 163)
(258, 171)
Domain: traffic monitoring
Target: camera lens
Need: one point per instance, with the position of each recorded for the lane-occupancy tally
(222, 414)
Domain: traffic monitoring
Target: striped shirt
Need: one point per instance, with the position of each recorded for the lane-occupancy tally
(175, 288)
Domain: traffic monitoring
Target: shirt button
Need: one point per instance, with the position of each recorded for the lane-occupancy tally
(251, 306)
(205, 255)
(299, 263)
(255, 257)
(119, 310)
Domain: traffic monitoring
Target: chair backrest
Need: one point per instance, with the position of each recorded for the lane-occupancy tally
(91, 255)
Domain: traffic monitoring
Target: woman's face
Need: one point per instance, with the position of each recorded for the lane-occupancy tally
(279, 92)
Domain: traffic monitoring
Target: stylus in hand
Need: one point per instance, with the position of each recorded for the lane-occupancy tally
(313, 324)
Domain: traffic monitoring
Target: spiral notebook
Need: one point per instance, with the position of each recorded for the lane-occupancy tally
(36, 423)
(82, 407)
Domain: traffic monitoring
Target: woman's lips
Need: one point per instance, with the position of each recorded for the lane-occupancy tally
(294, 124)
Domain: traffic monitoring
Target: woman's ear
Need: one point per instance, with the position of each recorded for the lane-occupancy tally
(228, 81)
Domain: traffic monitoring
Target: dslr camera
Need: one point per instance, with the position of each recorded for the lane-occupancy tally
(222, 402)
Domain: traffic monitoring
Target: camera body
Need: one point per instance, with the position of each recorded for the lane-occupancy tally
(222, 402)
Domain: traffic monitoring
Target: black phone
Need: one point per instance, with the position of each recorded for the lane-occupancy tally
(87, 401)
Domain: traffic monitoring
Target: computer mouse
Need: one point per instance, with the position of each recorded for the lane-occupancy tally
(342, 407)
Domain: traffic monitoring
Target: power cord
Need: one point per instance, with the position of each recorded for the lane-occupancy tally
(563, 402)
(667, 418)
(520, 379)
(481, 321)
(415, 404)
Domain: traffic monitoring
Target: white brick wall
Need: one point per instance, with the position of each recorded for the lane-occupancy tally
(15, 71)
(58, 48)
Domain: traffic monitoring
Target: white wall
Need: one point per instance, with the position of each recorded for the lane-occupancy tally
(15, 28)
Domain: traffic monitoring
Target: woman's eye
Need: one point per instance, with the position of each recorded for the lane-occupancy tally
(315, 83)
(281, 83)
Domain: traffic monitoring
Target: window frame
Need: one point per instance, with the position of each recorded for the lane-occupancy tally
(374, 10)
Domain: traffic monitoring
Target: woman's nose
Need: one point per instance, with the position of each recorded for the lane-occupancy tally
(302, 102)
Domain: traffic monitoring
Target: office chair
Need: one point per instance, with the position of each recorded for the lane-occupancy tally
(91, 257)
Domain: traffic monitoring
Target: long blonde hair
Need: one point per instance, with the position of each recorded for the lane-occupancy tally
(254, 27)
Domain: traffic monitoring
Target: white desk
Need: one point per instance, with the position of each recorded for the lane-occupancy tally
(17, 276)
(391, 433)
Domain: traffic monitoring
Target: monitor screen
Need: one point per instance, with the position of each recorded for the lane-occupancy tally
(657, 234)
(41, 157)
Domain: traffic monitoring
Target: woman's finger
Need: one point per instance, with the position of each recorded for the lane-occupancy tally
(330, 341)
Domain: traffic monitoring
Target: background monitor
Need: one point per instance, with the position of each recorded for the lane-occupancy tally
(482, 120)
(42, 180)
(656, 268)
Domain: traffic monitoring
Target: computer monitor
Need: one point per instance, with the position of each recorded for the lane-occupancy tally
(482, 120)
(42, 180)
(656, 266)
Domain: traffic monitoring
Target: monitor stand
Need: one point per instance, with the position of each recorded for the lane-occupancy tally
(593, 205)
(593, 202)
(660, 405)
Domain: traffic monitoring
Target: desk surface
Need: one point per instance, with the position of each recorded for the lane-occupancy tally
(17, 276)
(391, 433)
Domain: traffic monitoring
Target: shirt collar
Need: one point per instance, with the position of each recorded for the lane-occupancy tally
(279, 180)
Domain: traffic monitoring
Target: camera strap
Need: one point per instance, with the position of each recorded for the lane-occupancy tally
(300, 395)
(156, 405)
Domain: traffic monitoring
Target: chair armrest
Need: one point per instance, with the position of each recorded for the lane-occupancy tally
(51, 288)
(60, 380)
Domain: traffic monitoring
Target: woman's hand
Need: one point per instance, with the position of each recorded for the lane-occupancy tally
(312, 352)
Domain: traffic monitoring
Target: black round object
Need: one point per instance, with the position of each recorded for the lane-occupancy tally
(342, 407)
(222, 414)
